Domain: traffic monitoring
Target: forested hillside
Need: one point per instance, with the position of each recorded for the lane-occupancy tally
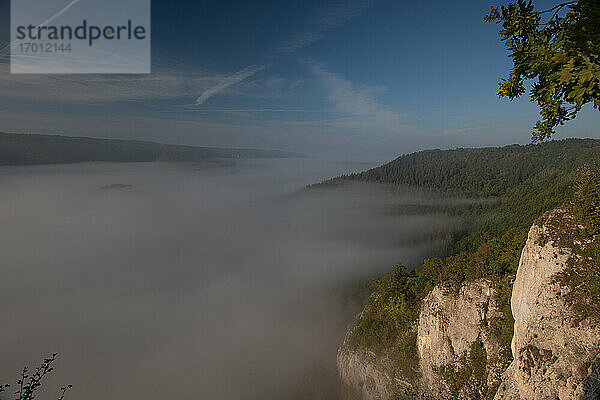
(521, 182)
(483, 172)
(17, 149)
(518, 183)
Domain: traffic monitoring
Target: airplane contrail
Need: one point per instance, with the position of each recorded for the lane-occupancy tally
(228, 81)
(328, 19)
(58, 14)
(46, 22)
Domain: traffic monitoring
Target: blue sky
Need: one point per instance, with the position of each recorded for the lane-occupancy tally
(347, 78)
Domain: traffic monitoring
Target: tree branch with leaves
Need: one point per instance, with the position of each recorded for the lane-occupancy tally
(560, 53)
(28, 385)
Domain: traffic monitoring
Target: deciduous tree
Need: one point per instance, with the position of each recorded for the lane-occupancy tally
(558, 48)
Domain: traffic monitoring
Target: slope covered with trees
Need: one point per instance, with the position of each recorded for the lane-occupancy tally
(516, 183)
(478, 172)
(523, 181)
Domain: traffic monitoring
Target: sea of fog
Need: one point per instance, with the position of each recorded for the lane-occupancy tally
(206, 281)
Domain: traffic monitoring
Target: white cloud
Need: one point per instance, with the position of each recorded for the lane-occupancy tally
(179, 81)
(176, 82)
(339, 12)
(356, 103)
(94, 88)
(271, 87)
(6, 49)
(300, 40)
(327, 18)
(229, 81)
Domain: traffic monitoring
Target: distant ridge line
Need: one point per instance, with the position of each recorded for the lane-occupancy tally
(35, 149)
(479, 172)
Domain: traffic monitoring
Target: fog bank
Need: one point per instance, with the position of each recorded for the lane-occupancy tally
(157, 281)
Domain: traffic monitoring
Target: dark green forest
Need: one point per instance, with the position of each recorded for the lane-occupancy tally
(510, 186)
(515, 186)
(478, 172)
(30, 149)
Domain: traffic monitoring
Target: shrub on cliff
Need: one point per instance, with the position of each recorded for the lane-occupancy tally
(586, 203)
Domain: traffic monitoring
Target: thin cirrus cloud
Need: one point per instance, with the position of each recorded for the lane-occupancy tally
(171, 84)
(104, 88)
(229, 81)
(326, 19)
(5, 50)
(354, 102)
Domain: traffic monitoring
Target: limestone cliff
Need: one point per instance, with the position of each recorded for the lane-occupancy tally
(556, 355)
(366, 375)
(452, 333)
(451, 324)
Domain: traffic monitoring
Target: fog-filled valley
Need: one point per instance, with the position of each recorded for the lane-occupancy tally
(215, 281)
(299, 200)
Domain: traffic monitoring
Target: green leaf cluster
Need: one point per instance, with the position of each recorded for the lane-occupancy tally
(559, 49)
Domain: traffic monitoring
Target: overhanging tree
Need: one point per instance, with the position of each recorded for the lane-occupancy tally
(558, 48)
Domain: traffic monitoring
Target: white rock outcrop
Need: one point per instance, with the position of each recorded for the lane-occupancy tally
(553, 353)
(448, 324)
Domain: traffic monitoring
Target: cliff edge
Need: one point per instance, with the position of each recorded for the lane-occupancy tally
(556, 354)
(555, 350)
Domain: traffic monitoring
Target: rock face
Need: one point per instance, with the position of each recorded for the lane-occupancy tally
(448, 325)
(555, 356)
(364, 375)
